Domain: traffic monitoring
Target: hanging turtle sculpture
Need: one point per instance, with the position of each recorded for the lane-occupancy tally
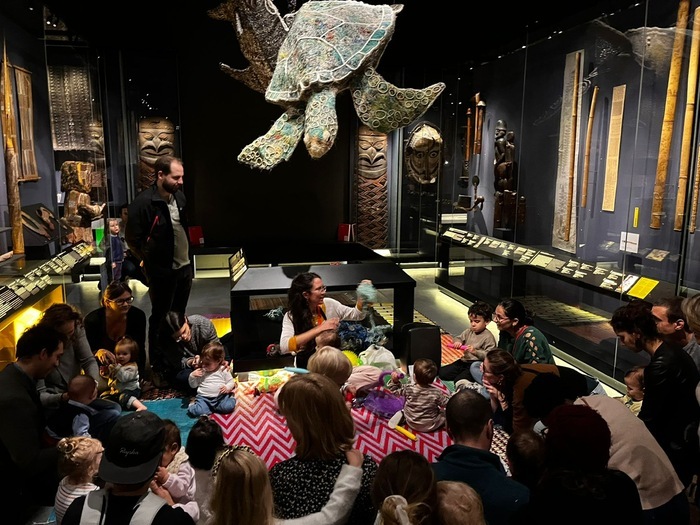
(260, 30)
(332, 46)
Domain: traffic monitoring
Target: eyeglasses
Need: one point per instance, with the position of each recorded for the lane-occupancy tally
(499, 318)
(320, 289)
(121, 302)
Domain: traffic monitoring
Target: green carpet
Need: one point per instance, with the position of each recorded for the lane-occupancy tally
(174, 409)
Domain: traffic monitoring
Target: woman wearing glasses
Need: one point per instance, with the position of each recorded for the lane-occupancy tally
(517, 335)
(309, 313)
(116, 318)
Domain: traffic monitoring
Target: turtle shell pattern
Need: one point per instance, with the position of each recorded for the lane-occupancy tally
(328, 42)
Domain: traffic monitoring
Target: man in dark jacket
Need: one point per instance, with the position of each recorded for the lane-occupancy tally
(157, 234)
(29, 467)
(469, 422)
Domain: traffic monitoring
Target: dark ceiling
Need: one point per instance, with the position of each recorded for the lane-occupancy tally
(438, 31)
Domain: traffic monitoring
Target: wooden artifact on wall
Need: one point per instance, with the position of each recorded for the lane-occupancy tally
(330, 46)
(12, 169)
(98, 180)
(423, 154)
(371, 186)
(612, 162)
(657, 205)
(71, 107)
(688, 118)
(587, 150)
(506, 213)
(565, 217)
(79, 210)
(41, 223)
(156, 139)
(28, 167)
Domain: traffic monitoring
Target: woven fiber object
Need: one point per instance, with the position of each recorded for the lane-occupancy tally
(332, 46)
(373, 212)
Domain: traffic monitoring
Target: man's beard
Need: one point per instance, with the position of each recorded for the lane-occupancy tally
(171, 188)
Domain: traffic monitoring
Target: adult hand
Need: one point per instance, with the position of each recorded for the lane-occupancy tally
(105, 357)
(162, 492)
(330, 324)
(162, 475)
(491, 388)
(354, 457)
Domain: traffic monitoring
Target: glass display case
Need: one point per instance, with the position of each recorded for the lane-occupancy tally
(574, 165)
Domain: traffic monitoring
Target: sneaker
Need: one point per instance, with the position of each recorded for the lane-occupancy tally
(463, 384)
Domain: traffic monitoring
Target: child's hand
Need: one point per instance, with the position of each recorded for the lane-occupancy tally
(468, 348)
(162, 475)
(198, 372)
(162, 492)
(354, 457)
(224, 390)
(457, 345)
(395, 377)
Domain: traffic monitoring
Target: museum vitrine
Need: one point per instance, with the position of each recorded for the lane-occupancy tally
(575, 162)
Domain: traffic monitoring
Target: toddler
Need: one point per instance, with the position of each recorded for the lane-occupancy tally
(243, 493)
(634, 381)
(352, 380)
(328, 338)
(123, 376)
(174, 480)
(214, 383)
(204, 443)
(475, 341)
(459, 504)
(73, 417)
(116, 249)
(424, 407)
(525, 456)
(78, 460)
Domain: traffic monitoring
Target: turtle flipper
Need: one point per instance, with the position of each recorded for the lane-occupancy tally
(321, 126)
(384, 107)
(256, 79)
(277, 144)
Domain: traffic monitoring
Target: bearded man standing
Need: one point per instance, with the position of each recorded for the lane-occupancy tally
(157, 234)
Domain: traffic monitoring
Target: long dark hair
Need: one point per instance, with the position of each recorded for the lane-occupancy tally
(516, 310)
(302, 317)
(502, 363)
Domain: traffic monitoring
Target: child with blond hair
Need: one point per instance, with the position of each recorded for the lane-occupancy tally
(78, 461)
(352, 380)
(634, 395)
(459, 504)
(424, 405)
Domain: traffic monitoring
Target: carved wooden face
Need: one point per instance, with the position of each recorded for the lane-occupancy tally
(423, 154)
(371, 153)
(156, 138)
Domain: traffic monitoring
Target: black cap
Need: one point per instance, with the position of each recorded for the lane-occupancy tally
(133, 449)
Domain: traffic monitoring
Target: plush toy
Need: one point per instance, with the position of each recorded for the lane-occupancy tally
(382, 402)
(267, 381)
(353, 357)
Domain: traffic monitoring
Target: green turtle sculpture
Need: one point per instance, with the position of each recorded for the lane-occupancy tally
(332, 46)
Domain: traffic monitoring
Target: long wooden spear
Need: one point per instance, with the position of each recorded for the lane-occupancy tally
(12, 175)
(657, 206)
(572, 137)
(587, 151)
(692, 84)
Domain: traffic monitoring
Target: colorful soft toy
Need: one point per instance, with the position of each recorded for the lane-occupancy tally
(267, 381)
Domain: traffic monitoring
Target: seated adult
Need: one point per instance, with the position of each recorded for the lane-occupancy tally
(116, 318)
(507, 380)
(77, 358)
(670, 409)
(181, 340)
(29, 467)
(577, 486)
(633, 449)
(309, 313)
(323, 429)
(517, 335)
(469, 422)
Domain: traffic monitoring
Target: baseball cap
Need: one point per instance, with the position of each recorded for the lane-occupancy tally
(133, 449)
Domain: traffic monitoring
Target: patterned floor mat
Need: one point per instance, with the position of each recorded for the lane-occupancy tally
(256, 423)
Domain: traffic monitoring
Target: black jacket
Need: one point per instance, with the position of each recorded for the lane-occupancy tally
(149, 231)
